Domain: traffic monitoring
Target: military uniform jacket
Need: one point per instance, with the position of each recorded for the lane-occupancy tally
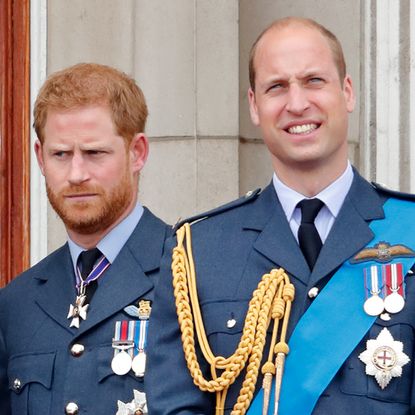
(38, 373)
(232, 248)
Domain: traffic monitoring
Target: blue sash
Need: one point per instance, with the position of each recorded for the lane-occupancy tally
(335, 322)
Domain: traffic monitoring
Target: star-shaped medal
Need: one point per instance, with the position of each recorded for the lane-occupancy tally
(140, 403)
(384, 358)
(138, 406)
(78, 310)
(125, 408)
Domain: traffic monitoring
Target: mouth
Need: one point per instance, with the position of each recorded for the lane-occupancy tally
(302, 129)
(79, 196)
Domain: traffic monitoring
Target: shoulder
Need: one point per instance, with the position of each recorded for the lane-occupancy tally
(228, 208)
(153, 226)
(28, 279)
(390, 193)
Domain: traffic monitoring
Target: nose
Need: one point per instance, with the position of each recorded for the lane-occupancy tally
(78, 172)
(297, 100)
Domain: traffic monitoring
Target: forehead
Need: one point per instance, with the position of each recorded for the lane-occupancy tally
(86, 117)
(293, 47)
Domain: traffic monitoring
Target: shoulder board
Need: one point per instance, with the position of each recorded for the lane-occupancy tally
(393, 193)
(249, 196)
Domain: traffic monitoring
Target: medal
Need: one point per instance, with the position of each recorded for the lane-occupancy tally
(139, 364)
(394, 301)
(130, 341)
(140, 340)
(121, 363)
(123, 344)
(373, 305)
(138, 406)
(384, 358)
(79, 309)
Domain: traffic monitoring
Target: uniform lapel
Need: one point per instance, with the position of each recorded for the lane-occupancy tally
(276, 240)
(57, 291)
(125, 280)
(350, 232)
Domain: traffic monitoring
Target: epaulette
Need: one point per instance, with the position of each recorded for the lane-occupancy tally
(248, 197)
(394, 193)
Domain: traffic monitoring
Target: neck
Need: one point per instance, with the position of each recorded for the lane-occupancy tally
(88, 241)
(307, 180)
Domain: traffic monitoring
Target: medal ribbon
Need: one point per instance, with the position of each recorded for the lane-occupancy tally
(394, 279)
(141, 336)
(373, 281)
(134, 332)
(96, 272)
(124, 333)
(317, 335)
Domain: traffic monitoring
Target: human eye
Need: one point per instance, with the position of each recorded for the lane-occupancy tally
(276, 86)
(94, 151)
(60, 154)
(315, 81)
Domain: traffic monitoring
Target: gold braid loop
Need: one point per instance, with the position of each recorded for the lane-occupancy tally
(271, 301)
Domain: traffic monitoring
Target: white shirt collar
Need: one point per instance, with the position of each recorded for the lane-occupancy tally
(333, 195)
(111, 244)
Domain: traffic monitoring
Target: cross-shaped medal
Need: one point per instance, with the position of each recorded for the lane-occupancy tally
(78, 310)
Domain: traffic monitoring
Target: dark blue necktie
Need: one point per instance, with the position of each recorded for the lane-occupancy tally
(86, 261)
(308, 237)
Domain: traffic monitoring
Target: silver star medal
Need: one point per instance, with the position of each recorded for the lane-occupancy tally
(138, 406)
(384, 358)
(78, 310)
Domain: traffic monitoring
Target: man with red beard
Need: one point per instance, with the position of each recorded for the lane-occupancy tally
(73, 328)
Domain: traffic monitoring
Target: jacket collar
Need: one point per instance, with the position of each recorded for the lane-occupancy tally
(123, 283)
(276, 241)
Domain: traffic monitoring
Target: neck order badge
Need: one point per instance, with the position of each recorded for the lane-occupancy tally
(318, 333)
(88, 275)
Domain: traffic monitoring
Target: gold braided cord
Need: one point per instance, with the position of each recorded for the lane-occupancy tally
(271, 301)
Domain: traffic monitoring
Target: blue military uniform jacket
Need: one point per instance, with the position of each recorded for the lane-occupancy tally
(38, 373)
(233, 246)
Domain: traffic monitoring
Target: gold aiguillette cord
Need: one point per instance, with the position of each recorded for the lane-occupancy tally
(271, 301)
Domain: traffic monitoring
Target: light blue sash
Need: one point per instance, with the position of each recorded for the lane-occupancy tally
(335, 322)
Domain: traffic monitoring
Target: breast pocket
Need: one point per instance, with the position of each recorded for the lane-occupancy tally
(224, 323)
(354, 380)
(111, 387)
(30, 380)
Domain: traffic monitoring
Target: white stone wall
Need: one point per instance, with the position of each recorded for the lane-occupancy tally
(190, 57)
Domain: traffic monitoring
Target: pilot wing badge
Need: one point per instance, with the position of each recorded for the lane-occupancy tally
(384, 358)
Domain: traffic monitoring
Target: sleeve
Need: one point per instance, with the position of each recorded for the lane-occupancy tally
(169, 387)
(4, 388)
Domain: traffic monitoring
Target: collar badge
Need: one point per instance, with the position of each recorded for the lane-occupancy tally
(384, 358)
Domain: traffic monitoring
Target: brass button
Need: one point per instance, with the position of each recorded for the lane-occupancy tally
(77, 350)
(313, 292)
(17, 384)
(71, 409)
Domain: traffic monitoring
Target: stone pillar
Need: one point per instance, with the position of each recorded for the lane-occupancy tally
(389, 93)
